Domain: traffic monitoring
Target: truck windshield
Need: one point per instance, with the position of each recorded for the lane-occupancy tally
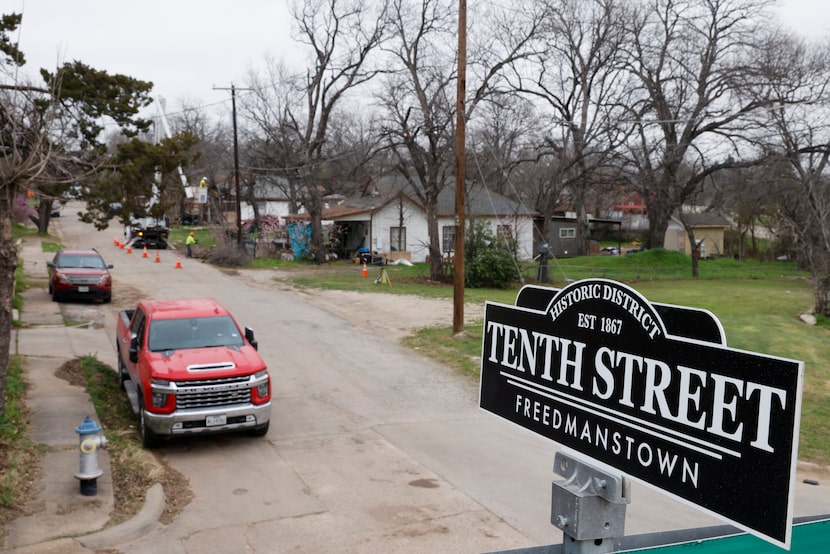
(203, 332)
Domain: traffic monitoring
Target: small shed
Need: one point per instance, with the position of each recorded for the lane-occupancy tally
(562, 233)
(709, 229)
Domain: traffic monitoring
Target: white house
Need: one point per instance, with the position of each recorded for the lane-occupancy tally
(271, 198)
(388, 219)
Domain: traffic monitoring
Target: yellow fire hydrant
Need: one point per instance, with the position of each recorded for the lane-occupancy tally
(90, 442)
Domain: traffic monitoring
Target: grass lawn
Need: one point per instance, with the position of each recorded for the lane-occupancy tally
(758, 305)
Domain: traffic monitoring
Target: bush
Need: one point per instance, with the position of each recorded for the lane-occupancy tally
(229, 255)
(489, 261)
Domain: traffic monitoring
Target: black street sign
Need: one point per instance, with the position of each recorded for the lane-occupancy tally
(651, 390)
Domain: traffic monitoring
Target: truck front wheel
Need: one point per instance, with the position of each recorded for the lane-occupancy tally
(261, 430)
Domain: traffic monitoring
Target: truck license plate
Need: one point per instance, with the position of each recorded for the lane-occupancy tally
(83, 289)
(211, 421)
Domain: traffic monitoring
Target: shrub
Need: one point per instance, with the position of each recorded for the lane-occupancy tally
(488, 261)
(229, 255)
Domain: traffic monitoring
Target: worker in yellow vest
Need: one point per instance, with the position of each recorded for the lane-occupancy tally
(189, 242)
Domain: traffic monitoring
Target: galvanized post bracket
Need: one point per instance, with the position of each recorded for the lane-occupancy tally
(588, 505)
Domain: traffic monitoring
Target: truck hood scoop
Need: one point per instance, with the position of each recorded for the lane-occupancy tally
(211, 367)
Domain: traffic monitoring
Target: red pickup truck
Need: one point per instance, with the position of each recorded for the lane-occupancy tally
(188, 369)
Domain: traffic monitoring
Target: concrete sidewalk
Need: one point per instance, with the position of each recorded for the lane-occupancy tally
(62, 519)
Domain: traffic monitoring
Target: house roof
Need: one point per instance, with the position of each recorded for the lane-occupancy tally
(703, 219)
(480, 201)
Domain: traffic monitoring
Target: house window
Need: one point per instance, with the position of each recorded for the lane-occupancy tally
(397, 239)
(448, 236)
(504, 231)
(567, 233)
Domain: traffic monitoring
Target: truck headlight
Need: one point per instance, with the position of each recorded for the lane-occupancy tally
(159, 399)
(262, 389)
(159, 393)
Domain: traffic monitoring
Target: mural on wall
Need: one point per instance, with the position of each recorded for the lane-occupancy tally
(300, 235)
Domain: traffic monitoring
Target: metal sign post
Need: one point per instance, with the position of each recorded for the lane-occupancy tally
(588, 506)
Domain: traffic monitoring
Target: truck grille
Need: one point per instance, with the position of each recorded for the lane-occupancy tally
(207, 393)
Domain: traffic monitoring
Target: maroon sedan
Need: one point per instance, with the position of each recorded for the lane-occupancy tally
(79, 274)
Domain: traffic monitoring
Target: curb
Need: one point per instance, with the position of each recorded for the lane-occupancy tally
(139, 525)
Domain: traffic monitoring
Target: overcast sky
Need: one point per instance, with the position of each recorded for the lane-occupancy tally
(188, 47)
(184, 47)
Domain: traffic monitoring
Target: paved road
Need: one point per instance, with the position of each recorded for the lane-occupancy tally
(371, 448)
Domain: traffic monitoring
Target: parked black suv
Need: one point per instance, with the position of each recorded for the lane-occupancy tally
(191, 219)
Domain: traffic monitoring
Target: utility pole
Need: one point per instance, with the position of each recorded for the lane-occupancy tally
(460, 173)
(233, 90)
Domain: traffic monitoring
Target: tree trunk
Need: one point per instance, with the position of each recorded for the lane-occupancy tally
(741, 242)
(44, 215)
(315, 210)
(695, 253)
(582, 230)
(436, 262)
(582, 227)
(822, 295)
(659, 213)
(254, 206)
(8, 264)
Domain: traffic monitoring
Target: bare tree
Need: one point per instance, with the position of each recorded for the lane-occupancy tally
(341, 35)
(421, 142)
(506, 129)
(801, 122)
(215, 160)
(271, 143)
(25, 149)
(419, 96)
(579, 84)
(750, 196)
(692, 59)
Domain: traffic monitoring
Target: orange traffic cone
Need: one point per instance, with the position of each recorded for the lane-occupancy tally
(158, 258)
(365, 272)
(129, 249)
(178, 261)
(122, 246)
(115, 240)
(145, 252)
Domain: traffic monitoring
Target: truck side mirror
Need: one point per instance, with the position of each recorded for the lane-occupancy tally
(249, 336)
(134, 348)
